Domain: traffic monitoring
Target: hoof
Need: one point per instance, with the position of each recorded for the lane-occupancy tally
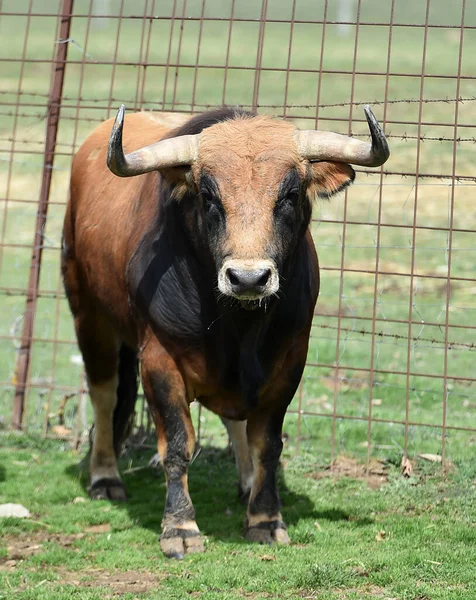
(268, 532)
(176, 542)
(108, 489)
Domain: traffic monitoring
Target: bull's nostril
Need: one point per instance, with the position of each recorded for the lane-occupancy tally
(263, 280)
(232, 277)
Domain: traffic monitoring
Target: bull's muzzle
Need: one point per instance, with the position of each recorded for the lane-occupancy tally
(248, 280)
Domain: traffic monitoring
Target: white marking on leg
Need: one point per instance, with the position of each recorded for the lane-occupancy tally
(258, 471)
(103, 458)
(237, 432)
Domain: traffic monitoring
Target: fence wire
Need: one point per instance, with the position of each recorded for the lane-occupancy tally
(391, 358)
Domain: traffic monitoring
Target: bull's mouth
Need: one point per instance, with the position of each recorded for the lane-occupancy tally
(253, 304)
(256, 303)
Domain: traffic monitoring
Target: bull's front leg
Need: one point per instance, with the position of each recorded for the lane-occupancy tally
(166, 395)
(264, 523)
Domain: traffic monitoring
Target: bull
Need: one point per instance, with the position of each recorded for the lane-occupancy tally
(192, 254)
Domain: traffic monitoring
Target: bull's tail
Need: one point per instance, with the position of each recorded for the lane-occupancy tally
(123, 419)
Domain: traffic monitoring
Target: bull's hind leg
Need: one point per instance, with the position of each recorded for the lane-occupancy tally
(166, 394)
(100, 348)
(111, 370)
(239, 441)
(105, 479)
(264, 523)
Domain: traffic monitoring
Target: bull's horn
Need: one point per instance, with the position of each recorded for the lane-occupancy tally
(172, 152)
(324, 145)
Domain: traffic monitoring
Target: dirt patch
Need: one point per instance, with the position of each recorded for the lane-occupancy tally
(375, 474)
(27, 544)
(118, 582)
(338, 380)
(103, 528)
(23, 546)
(367, 591)
(240, 591)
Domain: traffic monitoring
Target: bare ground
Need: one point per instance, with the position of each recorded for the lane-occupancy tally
(375, 474)
(117, 582)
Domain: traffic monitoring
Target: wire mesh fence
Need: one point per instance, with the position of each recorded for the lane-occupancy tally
(391, 359)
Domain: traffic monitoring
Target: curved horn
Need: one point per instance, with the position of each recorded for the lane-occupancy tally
(172, 152)
(324, 145)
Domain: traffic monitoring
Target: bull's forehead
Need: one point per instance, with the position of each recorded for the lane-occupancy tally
(254, 152)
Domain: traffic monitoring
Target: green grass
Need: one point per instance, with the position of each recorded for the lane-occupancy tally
(426, 551)
(53, 374)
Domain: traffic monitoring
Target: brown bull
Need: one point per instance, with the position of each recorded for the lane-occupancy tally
(203, 267)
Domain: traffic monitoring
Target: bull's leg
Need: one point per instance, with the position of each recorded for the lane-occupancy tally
(105, 479)
(166, 395)
(239, 441)
(100, 349)
(264, 523)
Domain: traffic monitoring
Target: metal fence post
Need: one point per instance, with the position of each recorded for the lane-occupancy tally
(54, 105)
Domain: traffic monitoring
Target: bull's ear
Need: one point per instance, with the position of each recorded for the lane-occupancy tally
(181, 179)
(328, 178)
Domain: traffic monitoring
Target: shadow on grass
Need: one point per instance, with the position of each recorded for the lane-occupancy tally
(214, 491)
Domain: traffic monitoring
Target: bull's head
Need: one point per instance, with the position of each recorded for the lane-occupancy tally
(256, 178)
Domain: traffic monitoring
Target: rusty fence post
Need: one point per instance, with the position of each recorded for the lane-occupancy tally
(54, 105)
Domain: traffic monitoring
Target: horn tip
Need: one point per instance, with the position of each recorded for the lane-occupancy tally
(119, 120)
(379, 142)
(114, 150)
(369, 113)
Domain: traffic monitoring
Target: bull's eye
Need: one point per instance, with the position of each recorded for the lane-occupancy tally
(211, 203)
(214, 214)
(285, 209)
(288, 201)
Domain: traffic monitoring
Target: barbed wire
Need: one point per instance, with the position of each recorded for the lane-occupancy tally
(419, 175)
(404, 174)
(402, 137)
(381, 334)
(374, 102)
